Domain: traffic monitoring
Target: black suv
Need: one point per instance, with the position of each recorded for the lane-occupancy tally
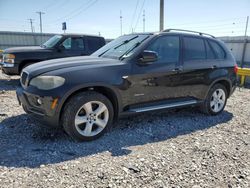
(132, 74)
(59, 46)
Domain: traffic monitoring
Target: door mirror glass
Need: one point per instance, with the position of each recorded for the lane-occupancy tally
(148, 57)
(61, 48)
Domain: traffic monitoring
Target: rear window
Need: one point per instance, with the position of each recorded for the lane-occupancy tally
(194, 49)
(218, 50)
(94, 43)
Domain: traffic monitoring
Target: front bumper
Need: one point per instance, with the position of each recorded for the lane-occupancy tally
(7, 65)
(43, 111)
(9, 68)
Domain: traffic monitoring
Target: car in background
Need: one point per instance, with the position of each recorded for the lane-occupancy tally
(1, 51)
(59, 46)
(135, 73)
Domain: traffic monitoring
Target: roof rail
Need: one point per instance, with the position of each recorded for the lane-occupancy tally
(200, 33)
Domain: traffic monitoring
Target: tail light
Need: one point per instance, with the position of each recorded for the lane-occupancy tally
(236, 69)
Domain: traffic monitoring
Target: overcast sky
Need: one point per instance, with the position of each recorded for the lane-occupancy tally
(218, 17)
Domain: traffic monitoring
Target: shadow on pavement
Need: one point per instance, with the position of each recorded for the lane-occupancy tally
(9, 84)
(25, 143)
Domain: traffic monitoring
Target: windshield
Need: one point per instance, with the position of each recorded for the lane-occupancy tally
(121, 47)
(52, 41)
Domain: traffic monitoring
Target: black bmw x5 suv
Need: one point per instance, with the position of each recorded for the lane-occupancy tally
(132, 74)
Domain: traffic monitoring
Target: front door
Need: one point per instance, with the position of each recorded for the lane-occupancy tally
(155, 81)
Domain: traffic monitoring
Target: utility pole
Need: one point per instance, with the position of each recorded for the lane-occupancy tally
(121, 21)
(245, 44)
(31, 25)
(246, 26)
(40, 16)
(143, 20)
(161, 15)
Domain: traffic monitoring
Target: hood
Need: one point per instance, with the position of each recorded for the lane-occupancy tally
(23, 49)
(82, 62)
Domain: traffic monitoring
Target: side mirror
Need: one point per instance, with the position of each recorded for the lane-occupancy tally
(148, 57)
(60, 48)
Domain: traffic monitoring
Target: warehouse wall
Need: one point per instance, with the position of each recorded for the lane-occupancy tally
(236, 45)
(12, 39)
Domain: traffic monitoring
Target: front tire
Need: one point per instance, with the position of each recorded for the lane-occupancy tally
(216, 100)
(87, 116)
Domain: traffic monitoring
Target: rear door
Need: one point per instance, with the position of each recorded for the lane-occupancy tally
(198, 63)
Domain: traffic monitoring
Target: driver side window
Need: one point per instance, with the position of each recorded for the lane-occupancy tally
(67, 44)
(167, 49)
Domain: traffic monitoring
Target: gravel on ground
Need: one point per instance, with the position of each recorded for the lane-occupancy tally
(175, 148)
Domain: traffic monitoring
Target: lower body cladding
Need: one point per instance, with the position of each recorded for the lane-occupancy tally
(42, 108)
(9, 68)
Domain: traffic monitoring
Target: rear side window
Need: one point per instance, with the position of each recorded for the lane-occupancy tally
(94, 43)
(194, 49)
(218, 50)
(210, 53)
(73, 44)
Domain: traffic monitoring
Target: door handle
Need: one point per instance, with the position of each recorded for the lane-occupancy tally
(214, 66)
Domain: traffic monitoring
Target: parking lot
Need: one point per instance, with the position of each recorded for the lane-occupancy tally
(176, 148)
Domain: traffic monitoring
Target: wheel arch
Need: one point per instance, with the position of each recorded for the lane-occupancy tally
(107, 91)
(223, 81)
(25, 62)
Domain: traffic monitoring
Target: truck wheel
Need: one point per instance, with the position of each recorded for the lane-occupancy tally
(87, 116)
(216, 100)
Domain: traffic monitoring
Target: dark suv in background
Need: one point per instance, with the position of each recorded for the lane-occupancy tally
(59, 46)
(132, 74)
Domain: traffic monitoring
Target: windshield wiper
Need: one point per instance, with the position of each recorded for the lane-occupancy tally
(43, 46)
(130, 50)
(124, 42)
(104, 52)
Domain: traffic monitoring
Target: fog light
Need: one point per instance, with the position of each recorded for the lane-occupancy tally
(39, 101)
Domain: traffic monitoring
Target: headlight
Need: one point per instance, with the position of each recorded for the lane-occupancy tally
(9, 58)
(47, 82)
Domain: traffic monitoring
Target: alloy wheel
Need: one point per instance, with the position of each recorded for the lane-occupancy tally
(218, 100)
(91, 118)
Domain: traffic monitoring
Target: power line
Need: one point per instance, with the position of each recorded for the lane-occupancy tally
(40, 17)
(205, 22)
(89, 6)
(61, 3)
(77, 11)
(133, 17)
(50, 5)
(213, 26)
(139, 15)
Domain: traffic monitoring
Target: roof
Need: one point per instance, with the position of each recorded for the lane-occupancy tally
(178, 32)
(78, 35)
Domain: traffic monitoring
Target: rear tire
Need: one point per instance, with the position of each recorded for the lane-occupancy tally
(87, 116)
(216, 100)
